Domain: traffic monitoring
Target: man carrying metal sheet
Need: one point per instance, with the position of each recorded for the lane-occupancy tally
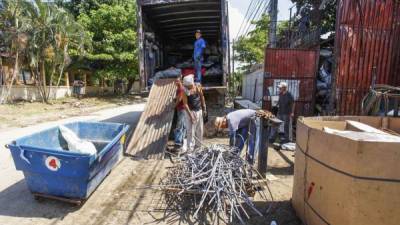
(199, 47)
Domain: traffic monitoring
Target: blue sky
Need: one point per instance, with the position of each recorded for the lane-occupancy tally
(238, 8)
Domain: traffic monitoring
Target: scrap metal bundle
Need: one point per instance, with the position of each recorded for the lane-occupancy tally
(215, 179)
(380, 100)
(265, 114)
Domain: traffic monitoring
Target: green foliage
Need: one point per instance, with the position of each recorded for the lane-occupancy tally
(43, 33)
(112, 28)
(250, 50)
(236, 80)
(327, 15)
(282, 31)
(77, 7)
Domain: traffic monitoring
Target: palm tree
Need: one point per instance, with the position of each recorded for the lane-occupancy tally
(50, 33)
(53, 32)
(12, 25)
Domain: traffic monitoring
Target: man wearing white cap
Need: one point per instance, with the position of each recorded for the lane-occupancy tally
(285, 111)
(194, 105)
(242, 128)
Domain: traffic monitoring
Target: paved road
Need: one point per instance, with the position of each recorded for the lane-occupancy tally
(16, 203)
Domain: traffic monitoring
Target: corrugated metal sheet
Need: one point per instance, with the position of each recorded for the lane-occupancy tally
(151, 134)
(298, 68)
(367, 50)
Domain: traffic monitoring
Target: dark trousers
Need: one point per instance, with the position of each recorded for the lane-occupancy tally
(197, 67)
(286, 127)
(240, 138)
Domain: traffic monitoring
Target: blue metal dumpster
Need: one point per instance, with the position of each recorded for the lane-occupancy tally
(52, 171)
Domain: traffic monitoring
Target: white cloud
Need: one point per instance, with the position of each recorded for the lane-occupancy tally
(236, 17)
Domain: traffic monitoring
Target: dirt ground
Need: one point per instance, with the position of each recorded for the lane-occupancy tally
(23, 114)
(280, 182)
(129, 195)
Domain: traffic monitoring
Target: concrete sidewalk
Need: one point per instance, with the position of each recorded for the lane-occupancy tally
(12, 186)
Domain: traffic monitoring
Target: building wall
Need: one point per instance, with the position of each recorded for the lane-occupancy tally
(252, 87)
(31, 93)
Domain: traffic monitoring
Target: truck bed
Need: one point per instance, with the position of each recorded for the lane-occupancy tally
(166, 36)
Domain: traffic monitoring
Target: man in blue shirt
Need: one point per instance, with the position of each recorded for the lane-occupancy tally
(199, 47)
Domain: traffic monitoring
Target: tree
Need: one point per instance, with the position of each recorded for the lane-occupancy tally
(53, 31)
(13, 28)
(326, 16)
(49, 32)
(250, 50)
(77, 7)
(112, 29)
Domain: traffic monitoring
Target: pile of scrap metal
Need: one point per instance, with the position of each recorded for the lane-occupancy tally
(382, 100)
(215, 179)
(265, 114)
(324, 86)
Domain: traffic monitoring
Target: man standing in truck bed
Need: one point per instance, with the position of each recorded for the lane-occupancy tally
(199, 47)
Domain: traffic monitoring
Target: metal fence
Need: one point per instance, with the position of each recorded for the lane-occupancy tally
(367, 50)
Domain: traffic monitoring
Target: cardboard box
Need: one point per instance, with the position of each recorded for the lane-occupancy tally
(341, 180)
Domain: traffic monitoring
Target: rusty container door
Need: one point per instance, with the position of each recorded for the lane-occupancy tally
(367, 50)
(296, 67)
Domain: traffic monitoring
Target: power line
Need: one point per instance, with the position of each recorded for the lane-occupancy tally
(247, 18)
(251, 16)
(257, 15)
(244, 18)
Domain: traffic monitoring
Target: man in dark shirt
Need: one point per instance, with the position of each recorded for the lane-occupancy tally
(285, 111)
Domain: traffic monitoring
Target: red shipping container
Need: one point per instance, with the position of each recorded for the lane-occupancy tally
(367, 50)
(296, 67)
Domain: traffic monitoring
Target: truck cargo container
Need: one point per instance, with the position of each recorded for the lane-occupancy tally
(166, 35)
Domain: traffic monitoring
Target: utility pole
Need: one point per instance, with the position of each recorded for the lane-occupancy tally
(290, 26)
(273, 15)
(265, 128)
(233, 70)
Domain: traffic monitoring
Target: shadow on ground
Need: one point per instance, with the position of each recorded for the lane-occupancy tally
(280, 211)
(17, 201)
(278, 170)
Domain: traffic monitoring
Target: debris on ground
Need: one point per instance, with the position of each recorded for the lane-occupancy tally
(289, 146)
(213, 179)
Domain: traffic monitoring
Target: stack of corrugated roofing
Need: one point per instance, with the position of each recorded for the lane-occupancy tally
(151, 134)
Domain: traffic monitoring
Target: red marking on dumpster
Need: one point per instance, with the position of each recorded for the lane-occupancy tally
(310, 189)
(53, 163)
